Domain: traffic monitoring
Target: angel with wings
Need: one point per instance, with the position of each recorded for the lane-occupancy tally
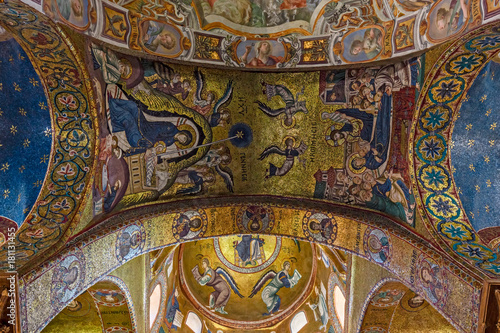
(290, 153)
(204, 105)
(220, 280)
(218, 159)
(292, 104)
(170, 82)
(278, 281)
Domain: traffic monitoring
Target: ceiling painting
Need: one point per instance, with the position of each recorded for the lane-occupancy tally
(25, 142)
(174, 132)
(55, 91)
(226, 289)
(298, 33)
(453, 146)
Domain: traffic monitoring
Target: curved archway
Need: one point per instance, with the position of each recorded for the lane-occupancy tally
(153, 228)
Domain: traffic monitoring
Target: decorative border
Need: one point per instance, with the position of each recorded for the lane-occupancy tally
(67, 180)
(432, 127)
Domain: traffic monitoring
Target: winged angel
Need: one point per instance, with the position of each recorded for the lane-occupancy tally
(220, 280)
(202, 105)
(290, 153)
(278, 281)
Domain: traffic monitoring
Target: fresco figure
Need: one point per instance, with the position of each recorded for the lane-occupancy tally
(321, 307)
(292, 104)
(156, 35)
(378, 151)
(371, 44)
(220, 116)
(249, 250)
(278, 281)
(73, 11)
(290, 153)
(221, 281)
(451, 18)
(263, 55)
(172, 309)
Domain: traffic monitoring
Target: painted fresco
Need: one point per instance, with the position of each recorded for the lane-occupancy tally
(172, 132)
(75, 13)
(247, 280)
(25, 144)
(292, 15)
(447, 18)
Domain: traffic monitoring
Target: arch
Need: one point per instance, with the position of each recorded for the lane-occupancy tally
(124, 291)
(154, 223)
(369, 307)
(392, 306)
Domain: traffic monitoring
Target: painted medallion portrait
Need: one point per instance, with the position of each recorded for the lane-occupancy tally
(261, 53)
(363, 45)
(72, 12)
(161, 38)
(447, 18)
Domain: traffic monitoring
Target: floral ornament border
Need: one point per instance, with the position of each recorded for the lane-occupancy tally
(73, 114)
(432, 129)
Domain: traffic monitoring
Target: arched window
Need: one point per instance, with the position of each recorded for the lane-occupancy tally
(298, 321)
(194, 322)
(154, 304)
(339, 301)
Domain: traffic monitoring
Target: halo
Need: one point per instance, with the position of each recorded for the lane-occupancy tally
(136, 71)
(201, 224)
(162, 150)
(350, 168)
(371, 246)
(259, 222)
(330, 141)
(309, 226)
(285, 126)
(288, 137)
(190, 129)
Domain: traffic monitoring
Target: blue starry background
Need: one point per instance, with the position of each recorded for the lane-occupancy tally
(25, 133)
(475, 149)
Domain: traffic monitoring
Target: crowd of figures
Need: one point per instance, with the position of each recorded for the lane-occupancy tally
(153, 138)
(363, 127)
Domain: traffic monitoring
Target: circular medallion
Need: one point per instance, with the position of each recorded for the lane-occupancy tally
(68, 277)
(255, 219)
(377, 246)
(319, 227)
(108, 297)
(387, 298)
(190, 225)
(130, 242)
(413, 302)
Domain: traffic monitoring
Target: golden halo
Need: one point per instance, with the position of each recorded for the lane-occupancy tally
(288, 137)
(126, 63)
(330, 141)
(309, 226)
(162, 149)
(201, 223)
(190, 129)
(285, 126)
(349, 164)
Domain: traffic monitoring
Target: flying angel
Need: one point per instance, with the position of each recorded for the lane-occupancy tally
(278, 281)
(290, 153)
(220, 115)
(221, 281)
(292, 104)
